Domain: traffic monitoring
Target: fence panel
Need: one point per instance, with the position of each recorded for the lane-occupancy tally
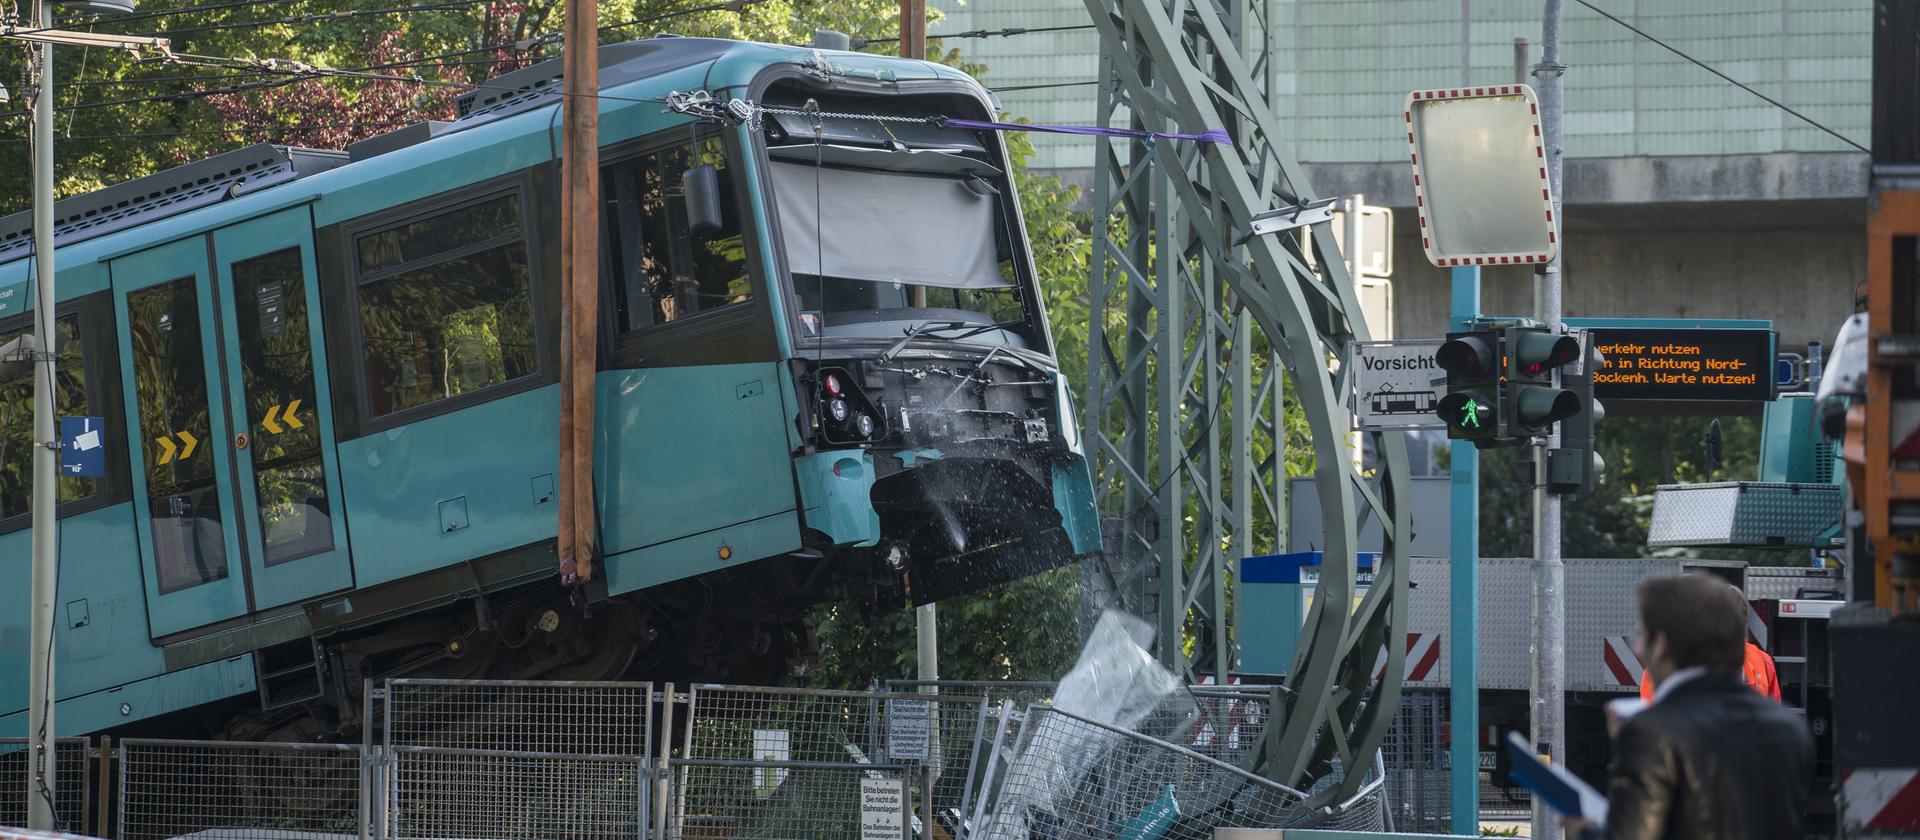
(239, 791)
(436, 792)
(516, 758)
(72, 784)
(721, 799)
(1023, 693)
(938, 733)
(587, 718)
(1416, 756)
(1074, 777)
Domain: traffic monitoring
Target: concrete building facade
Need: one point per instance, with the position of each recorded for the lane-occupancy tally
(1686, 195)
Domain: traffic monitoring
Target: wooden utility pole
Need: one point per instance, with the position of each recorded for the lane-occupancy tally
(579, 298)
(913, 28)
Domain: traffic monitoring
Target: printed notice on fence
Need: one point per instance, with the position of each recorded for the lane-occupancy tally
(909, 730)
(883, 809)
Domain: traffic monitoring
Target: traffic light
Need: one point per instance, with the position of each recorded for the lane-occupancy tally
(1534, 401)
(1576, 464)
(1471, 407)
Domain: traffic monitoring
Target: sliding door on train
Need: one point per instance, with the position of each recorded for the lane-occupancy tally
(236, 490)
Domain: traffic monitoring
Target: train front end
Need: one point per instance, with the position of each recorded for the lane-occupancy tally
(938, 447)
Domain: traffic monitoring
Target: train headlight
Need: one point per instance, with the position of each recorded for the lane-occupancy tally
(835, 387)
(837, 409)
(863, 424)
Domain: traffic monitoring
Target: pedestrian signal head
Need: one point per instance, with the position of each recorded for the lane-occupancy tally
(1468, 355)
(1468, 414)
(1471, 408)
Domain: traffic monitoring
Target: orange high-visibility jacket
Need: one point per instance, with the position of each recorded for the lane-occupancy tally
(1758, 670)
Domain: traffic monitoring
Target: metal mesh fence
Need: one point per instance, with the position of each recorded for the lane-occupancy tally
(1416, 759)
(509, 758)
(239, 791)
(939, 733)
(1497, 803)
(591, 718)
(1023, 693)
(790, 800)
(1070, 777)
(445, 793)
(1365, 812)
(71, 782)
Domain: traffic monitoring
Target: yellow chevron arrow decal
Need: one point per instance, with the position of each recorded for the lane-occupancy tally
(292, 421)
(166, 449)
(190, 441)
(269, 422)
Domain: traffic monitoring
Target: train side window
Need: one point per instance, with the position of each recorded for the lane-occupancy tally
(446, 305)
(16, 413)
(663, 271)
(276, 364)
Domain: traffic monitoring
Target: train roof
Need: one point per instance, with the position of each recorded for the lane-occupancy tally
(502, 125)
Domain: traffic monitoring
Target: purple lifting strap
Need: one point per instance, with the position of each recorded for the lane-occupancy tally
(1214, 136)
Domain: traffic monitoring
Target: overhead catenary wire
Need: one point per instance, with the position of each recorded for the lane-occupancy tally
(321, 17)
(281, 77)
(160, 13)
(1008, 32)
(1729, 79)
(1014, 88)
(527, 44)
(212, 132)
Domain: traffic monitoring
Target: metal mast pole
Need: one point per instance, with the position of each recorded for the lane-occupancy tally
(1550, 604)
(579, 297)
(40, 694)
(926, 617)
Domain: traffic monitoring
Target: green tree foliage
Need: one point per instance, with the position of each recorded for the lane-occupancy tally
(1642, 453)
(121, 118)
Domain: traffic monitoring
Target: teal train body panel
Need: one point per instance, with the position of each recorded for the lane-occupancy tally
(654, 487)
(837, 488)
(400, 485)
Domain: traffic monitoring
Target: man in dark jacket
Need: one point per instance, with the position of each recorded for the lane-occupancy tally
(1710, 758)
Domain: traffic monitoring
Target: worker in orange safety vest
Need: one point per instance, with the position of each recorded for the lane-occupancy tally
(1758, 670)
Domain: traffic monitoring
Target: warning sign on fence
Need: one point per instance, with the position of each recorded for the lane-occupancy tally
(909, 730)
(770, 745)
(883, 809)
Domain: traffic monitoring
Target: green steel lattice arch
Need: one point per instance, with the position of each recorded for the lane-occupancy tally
(1213, 328)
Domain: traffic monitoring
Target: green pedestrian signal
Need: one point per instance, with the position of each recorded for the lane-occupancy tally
(1471, 408)
(1470, 414)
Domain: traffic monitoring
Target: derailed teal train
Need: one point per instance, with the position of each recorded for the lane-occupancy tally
(328, 382)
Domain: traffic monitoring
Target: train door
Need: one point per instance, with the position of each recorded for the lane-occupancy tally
(178, 434)
(288, 485)
(234, 488)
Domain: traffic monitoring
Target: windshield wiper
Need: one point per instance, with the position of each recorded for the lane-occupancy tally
(914, 332)
(932, 328)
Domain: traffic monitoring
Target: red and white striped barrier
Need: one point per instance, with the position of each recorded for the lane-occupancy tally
(1623, 667)
(1423, 655)
(1876, 799)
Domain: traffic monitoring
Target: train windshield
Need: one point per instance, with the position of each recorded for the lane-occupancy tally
(874, 237)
